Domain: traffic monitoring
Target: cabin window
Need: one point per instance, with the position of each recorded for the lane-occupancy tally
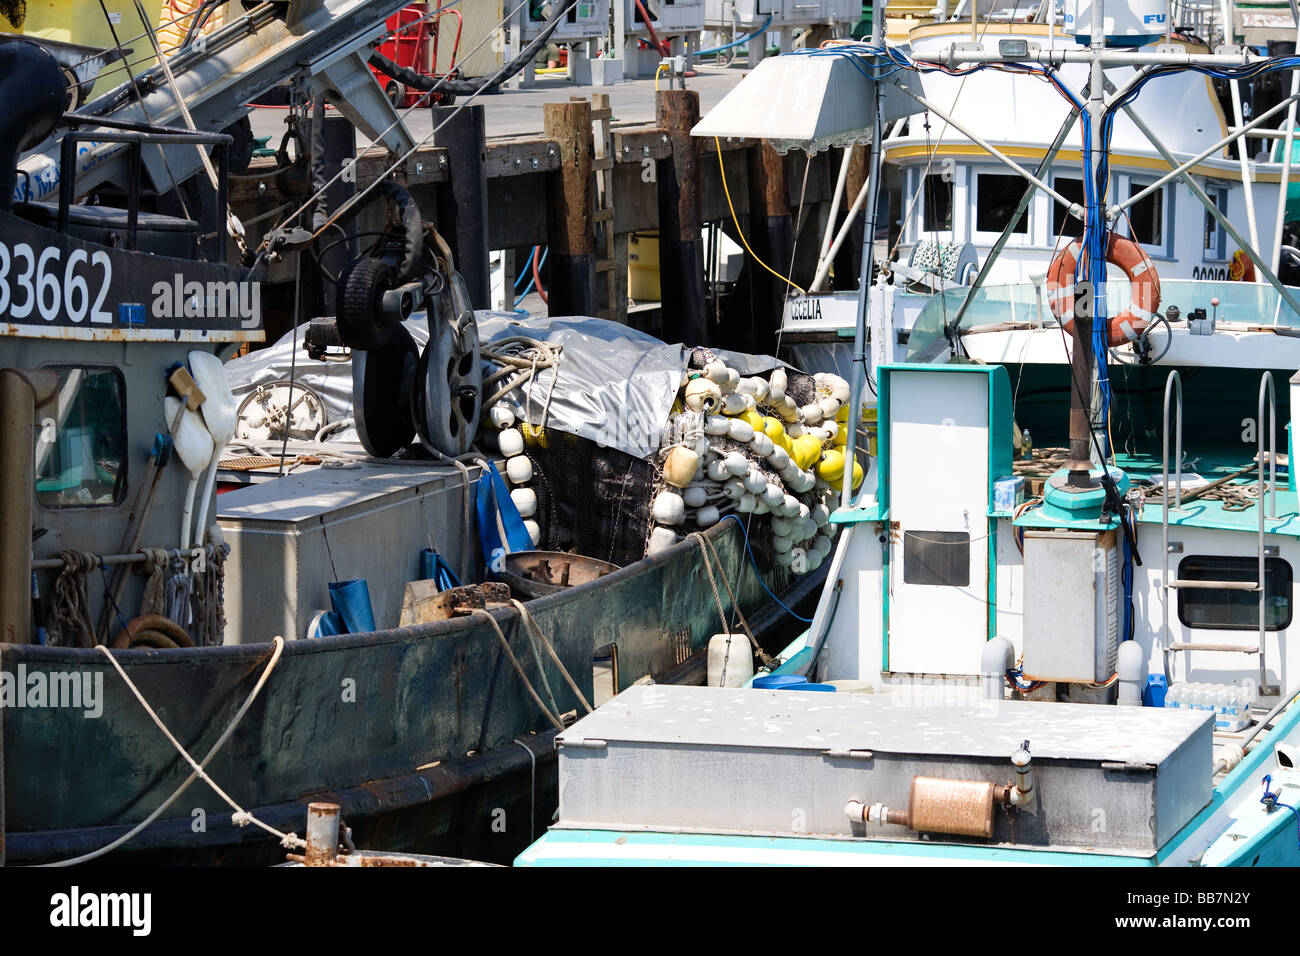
(1063, 224)
(1234, 610)
(1147, 216)
(1215, 238)
(996, 199)
(936, 557)
(81, 441)
(937, 190)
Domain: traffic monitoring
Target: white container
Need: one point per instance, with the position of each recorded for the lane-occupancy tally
(731, 662)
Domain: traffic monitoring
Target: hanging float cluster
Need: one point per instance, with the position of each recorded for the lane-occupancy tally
(519, 468)
(771, 447)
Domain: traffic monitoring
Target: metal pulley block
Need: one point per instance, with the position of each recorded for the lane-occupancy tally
(446, 410)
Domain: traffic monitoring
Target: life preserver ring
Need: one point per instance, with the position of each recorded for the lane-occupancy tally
(1241, 269)
(1138, 269)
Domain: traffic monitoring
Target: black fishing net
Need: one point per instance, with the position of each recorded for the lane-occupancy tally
(591, 500)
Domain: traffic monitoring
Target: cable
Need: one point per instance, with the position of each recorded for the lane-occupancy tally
(740, 232)
(537, 277)
(754, 563)
(741, 42)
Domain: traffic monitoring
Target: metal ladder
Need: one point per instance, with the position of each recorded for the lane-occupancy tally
(1174, 386)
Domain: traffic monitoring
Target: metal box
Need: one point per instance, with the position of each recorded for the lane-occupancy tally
(291, 537)
(1071, 630)
(720, 760)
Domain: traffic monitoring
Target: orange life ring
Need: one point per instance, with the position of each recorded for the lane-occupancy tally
(1241, 269)
(1143, 281)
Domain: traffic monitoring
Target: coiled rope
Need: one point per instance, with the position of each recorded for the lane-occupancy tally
(521, 359)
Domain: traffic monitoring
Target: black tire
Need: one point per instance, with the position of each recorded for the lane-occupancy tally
(361, 290)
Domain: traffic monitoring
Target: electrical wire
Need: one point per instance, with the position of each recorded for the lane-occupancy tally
(740, 232)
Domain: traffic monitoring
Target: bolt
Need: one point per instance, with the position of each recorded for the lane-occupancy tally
(535, 162)
(442, 160)
(419, 167)
(519, 162)
(645, 150)
(261, 188)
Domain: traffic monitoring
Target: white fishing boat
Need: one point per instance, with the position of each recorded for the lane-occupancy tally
(1079, 658)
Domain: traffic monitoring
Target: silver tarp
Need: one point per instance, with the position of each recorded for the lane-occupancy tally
(615, 385)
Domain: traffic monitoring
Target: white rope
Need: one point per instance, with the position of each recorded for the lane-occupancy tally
(240, 817)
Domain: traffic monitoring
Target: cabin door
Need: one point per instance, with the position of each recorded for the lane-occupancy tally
(939, 526)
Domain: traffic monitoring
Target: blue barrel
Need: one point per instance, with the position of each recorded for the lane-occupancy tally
(821, 688)
(779, 681)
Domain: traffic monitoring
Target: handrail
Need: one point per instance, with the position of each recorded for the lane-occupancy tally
(1265, 390)
(1173, 383)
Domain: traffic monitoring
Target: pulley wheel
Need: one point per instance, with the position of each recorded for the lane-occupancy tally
(382, 381)
(453, 377)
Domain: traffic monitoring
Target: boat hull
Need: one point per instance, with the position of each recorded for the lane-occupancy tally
(413, 729)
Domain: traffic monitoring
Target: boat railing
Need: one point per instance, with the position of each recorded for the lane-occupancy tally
(1267, 501)
(136, 137)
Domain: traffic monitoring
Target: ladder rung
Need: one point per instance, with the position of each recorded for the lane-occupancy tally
(605, 265)
(603, 164)
(603, 113)
(1215, 585)
(603, 215)
(1242, 648)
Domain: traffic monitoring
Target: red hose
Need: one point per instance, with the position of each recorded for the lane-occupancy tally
(659, 44)
(536, 277)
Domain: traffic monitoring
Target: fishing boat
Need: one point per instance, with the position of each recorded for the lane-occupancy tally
(201, 681)
(1086, 661)
(970, 263)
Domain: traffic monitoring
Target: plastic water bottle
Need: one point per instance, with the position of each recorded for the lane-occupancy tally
(1174, 696)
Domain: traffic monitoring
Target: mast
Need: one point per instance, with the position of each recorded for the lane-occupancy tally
(1082, 363)
(859, 358)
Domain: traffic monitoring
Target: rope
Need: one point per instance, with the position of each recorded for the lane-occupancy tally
(241, 815)
(72, 601)
(514, 662)
(531, 623)
(707, 552)
(521, 358)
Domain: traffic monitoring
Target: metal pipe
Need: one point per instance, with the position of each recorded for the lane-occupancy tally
(1269, 275)
(824, 267)
(1225, 7)
(322, 834)
(21, 393)
(1286, 162)
(1173, 380)
(864, 288)
(1237, 133)
(1265, 391)
(822, 256)
(1074, 208)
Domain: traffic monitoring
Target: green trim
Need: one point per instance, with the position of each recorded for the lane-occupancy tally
(1000, 428)
(564, 847)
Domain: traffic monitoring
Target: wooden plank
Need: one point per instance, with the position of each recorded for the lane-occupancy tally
(632, 144)
(517, 157)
